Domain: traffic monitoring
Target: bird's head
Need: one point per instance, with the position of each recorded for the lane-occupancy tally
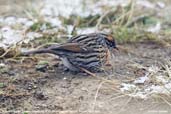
(110, 42)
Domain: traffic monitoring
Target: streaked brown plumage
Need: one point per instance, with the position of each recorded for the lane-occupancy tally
(87, 51)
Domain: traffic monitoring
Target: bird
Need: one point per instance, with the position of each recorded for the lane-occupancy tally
(85, 52)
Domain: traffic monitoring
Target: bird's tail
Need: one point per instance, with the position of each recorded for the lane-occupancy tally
(38, 51)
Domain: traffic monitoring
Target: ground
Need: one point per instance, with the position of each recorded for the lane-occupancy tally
(30, 90)
(138, 84)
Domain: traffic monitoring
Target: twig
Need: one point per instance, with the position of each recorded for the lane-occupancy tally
(14, 95)
(166, 101)
(132, 4)
(105, 80)
(96, 95)
(136, 19)
(103, 16)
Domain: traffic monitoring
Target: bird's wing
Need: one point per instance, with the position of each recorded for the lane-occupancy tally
(73, 47)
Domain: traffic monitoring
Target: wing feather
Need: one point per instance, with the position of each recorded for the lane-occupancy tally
(73, 47)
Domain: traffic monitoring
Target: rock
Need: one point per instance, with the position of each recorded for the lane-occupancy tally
(40, 95)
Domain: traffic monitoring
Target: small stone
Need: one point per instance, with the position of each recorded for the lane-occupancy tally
(64, 78)
(41, 68)
(84, 89)
(40, 95)
(81, 98)
(29, 88)
(34, 86)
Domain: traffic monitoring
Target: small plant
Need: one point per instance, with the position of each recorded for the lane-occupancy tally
(25, 112)
(39, 26)
(2, 85)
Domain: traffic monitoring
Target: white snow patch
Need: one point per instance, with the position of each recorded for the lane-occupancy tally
(55, 22)
(155, 29)
(160, 89)
(30, 36)
(162, 79)
(10, 36)
(86, 30)
(11, 20)
(153, 69)
(82, 8)
(141, 95)
(141, 80)
(2, 65)
(161, 4)
(127, 87)
(146, 4)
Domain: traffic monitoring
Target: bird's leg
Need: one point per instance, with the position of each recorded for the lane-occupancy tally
(88, 72)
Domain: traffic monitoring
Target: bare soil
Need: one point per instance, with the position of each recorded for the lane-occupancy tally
(27, 89)
(51, 90)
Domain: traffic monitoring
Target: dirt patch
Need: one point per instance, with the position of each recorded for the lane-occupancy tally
(27, 89)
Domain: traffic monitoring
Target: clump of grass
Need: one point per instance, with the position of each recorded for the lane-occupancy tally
(33, 12)
(123, 34)
(129, 35)
(10, 52)
(39, 26)
(56, 37)
(121, 21)
(45, 39)
(127, 25)
(89, 21)
(92, 20)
